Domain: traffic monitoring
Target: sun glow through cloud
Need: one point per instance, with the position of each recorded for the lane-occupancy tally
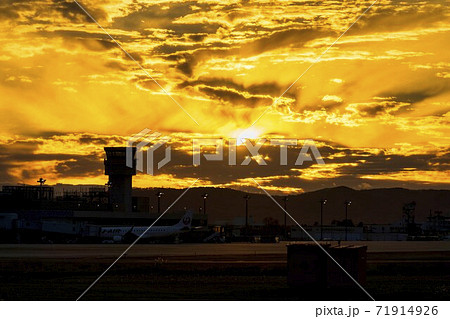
(244, 134)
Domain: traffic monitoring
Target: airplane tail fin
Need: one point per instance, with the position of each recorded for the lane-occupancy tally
(186, 221)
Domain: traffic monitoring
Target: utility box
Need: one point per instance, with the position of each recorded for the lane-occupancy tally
(306, 265)
(353, 259)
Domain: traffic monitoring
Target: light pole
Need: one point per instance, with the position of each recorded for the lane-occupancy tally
(347, 203)
(41, 182)
(159, 195)
(246, 197)
(285, 199)
(322, 203)
(108, 193)
(205, 196)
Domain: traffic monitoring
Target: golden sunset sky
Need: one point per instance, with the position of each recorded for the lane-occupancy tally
(377, 103)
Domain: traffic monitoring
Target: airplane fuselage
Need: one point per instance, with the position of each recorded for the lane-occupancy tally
(118, 232)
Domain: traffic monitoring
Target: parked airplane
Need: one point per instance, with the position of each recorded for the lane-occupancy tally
(118, 233)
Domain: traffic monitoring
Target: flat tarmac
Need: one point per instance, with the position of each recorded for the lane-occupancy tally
(235, 271)
(76, 251)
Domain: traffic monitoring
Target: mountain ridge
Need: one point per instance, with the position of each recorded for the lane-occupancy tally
(369, 206)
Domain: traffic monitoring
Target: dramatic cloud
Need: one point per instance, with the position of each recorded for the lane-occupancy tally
(378, 100)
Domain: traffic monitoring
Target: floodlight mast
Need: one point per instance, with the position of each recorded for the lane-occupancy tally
(41, 181)
(347, 203)
(204, 196)
(159, 195)
(285, 199)
(322, 203)
(246, 197)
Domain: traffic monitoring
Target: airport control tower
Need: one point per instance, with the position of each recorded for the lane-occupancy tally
(120, 177)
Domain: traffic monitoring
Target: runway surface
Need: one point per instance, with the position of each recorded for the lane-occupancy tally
(236, 271)
(14, 251)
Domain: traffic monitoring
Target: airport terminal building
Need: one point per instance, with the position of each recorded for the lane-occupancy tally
(33, 213)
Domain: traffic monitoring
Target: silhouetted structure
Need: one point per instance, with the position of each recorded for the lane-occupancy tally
(20, 194)
(120, 177)
(409, 219)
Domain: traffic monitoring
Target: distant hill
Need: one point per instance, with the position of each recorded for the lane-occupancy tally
(368, 206)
